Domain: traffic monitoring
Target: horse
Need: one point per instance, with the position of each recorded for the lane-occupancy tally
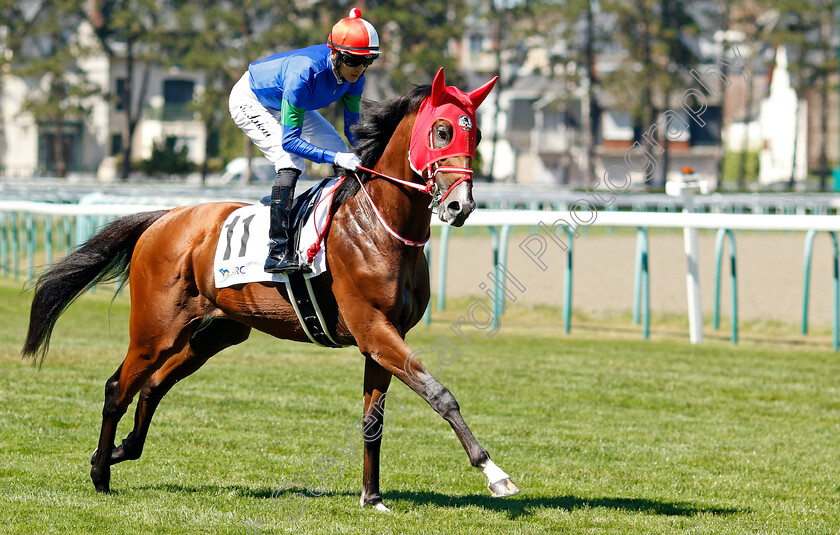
(375, 290)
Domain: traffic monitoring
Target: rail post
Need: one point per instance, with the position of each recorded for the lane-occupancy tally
(15, 247)
(567, 285)
(721, 237)
(30, 248)
(444, 248)
(4, 244)
(499, 264)
(641, 286)
(686, 187)
(48, 239)
(809, 249)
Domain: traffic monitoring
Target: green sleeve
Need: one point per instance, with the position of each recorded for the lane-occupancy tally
(292, 115)
(352, 103)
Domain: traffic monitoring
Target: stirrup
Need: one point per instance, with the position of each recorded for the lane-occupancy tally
(285, 264)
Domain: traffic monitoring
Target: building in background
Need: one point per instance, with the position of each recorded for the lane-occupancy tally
(533, 123)
(92, 145)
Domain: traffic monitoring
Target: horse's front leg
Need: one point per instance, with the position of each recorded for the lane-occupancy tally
(377, 380)
(380, 341)
(442, 400)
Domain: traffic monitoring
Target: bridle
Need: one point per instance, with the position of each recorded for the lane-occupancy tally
(458, 109)
(431, 188)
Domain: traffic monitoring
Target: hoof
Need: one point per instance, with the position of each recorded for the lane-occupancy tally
(379, 506)
(101, 484)
(503, 488)
(101, 480)
(101, 477)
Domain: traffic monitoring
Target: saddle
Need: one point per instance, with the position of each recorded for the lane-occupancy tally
(302, 208)
(243, 246)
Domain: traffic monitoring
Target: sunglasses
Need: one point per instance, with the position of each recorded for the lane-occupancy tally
(354, 61)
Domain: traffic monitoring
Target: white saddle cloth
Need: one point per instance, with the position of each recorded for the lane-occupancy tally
(243, 243)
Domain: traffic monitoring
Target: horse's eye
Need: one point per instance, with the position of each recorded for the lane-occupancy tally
(442, 135)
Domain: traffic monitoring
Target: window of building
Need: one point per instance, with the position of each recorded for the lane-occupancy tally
(177, 95)
(178, 91)
(476, 43)
(116, 144)
(709, 133)
(122, 97)
(521, 114)
(70, 150)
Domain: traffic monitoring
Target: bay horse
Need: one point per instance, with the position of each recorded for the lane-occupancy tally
(376, 289)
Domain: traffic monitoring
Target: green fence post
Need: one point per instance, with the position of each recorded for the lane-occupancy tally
(641, 285)
(836, 327)
(501, 260)
(4, 244)
(733, 274)
(444, 248)
(809, 249)
(567, 286)
(30, 248)
(68, 237)
(48, 238)
(15, 247)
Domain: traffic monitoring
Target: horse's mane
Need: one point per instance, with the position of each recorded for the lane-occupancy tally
(378, 122)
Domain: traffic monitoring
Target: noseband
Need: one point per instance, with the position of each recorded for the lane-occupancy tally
(431, 188)
(458, 109)
(434, 190)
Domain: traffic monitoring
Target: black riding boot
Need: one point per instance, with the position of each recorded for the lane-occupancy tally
(282, 256)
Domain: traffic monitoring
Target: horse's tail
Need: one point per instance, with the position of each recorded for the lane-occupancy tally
(103, 258)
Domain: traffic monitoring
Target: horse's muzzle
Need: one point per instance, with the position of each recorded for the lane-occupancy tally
(458, 205)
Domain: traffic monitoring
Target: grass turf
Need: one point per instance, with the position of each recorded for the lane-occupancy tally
(604, 433)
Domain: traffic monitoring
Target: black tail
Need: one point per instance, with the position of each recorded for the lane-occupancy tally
(103, 258)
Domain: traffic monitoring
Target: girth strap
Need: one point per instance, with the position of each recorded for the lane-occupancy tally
(306, 307)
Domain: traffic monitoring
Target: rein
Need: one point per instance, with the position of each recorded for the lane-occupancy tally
(431, 188)
(392, 232)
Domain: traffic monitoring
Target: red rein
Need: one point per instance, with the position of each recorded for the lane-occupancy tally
(430, 189)
(431, 185)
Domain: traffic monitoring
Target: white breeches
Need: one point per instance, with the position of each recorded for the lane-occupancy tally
(263, 126)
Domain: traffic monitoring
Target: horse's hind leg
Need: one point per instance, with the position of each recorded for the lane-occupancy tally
(206, 342)
(147, 352)
(119, 391)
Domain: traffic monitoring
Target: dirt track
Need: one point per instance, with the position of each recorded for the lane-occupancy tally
(769, 264)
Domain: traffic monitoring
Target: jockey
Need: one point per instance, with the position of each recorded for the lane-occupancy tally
(275, 104)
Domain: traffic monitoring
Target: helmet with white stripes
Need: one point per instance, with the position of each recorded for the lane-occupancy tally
(354, 35)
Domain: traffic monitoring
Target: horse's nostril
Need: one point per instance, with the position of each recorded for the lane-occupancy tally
(454, 207)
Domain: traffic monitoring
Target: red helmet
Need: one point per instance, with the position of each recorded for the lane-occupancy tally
(354, 35)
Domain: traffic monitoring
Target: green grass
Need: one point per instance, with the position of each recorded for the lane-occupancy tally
(603, 432)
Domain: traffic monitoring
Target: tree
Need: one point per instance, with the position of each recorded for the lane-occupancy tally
(804, 27)
(221, 39)
(753, 21)
(46, 49)
(658, 62)
(415, 38)
(511, 22)
(130, 30)
(582, 35)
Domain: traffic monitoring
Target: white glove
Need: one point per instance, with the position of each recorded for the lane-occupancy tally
(347, 160)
